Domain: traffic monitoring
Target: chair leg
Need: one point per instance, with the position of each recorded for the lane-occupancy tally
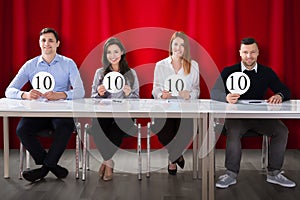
(27, 159)
(139, 149)
(148, 149)
(87, 160)
(265, 152)
(84, 153)
(22, 152)
(77, 151)
(24, 155)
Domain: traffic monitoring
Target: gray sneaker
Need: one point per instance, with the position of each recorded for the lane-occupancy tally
(225, 181)
(280, 180)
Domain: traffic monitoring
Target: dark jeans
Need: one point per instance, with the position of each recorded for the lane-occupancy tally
(236, 128)
(175, 134)
(108, 134)
(28, 129)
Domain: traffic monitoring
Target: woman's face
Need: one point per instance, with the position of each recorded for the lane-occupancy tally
(178, 47)
(114, 54)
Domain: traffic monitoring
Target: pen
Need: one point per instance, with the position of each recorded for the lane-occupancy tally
(254, 101)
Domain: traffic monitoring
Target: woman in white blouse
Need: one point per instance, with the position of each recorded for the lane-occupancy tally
(176, 76)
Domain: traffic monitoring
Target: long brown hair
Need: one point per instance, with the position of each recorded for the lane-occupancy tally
(186, 54)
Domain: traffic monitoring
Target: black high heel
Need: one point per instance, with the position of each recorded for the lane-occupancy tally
(180, 162)
(172, 171)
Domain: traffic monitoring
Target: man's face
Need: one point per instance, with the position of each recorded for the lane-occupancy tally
(48, 44)
(249, 54)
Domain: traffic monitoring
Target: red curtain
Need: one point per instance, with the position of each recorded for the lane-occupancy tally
(214, 27)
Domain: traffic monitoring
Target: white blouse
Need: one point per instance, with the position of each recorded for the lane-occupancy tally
(164, 69)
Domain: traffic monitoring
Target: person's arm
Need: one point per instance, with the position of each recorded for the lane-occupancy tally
(98, 77)
(218, 91)
(195, 89)
(158, 82)
(96, 80)
(278, 87)
(135, 88)
(13, 91)
(77, 91)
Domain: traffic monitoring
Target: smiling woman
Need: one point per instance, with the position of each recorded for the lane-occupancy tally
(108, 133)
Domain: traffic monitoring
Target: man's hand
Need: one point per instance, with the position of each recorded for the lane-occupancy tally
(275, 99)
(232, 98)
(32, 94)
(55, 95)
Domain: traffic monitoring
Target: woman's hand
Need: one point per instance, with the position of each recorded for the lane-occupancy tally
(127, 90)
(101, 90)
(185, 94)
(166, 94)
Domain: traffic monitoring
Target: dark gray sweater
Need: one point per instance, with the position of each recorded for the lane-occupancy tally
(263, 79)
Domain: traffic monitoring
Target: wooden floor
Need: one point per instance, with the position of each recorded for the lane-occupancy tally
(160, 186)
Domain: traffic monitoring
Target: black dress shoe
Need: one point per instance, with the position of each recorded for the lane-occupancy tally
(172, 171)
(59, 171)
(35, 174)
(180, 162)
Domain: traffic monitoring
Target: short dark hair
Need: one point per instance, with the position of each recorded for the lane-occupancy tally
(50, 30)
(248, 41)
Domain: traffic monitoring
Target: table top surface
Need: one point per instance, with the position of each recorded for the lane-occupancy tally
(142, 107)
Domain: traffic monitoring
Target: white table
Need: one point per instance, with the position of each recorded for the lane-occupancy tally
(91, 108)
(205, 111)
(286, 110)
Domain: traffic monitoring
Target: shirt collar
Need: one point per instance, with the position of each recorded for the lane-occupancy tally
(169, 60)
(55, 60)
(243, 68)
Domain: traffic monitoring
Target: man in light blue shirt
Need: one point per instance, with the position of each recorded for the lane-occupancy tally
(52, 77)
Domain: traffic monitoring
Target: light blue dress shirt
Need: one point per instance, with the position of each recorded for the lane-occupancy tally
(63, 69)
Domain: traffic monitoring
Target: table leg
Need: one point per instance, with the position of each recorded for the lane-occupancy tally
(203, 153)
(200, 139)
(6, 147)
(211, 148)
(195, 147)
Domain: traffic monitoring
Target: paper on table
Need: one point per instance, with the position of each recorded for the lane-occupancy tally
(108, 101)
(252, 101)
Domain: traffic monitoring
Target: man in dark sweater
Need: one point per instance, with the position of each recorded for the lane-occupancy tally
(262, 78)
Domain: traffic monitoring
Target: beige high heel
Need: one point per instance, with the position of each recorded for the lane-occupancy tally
(109, 166)
(101, 170)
